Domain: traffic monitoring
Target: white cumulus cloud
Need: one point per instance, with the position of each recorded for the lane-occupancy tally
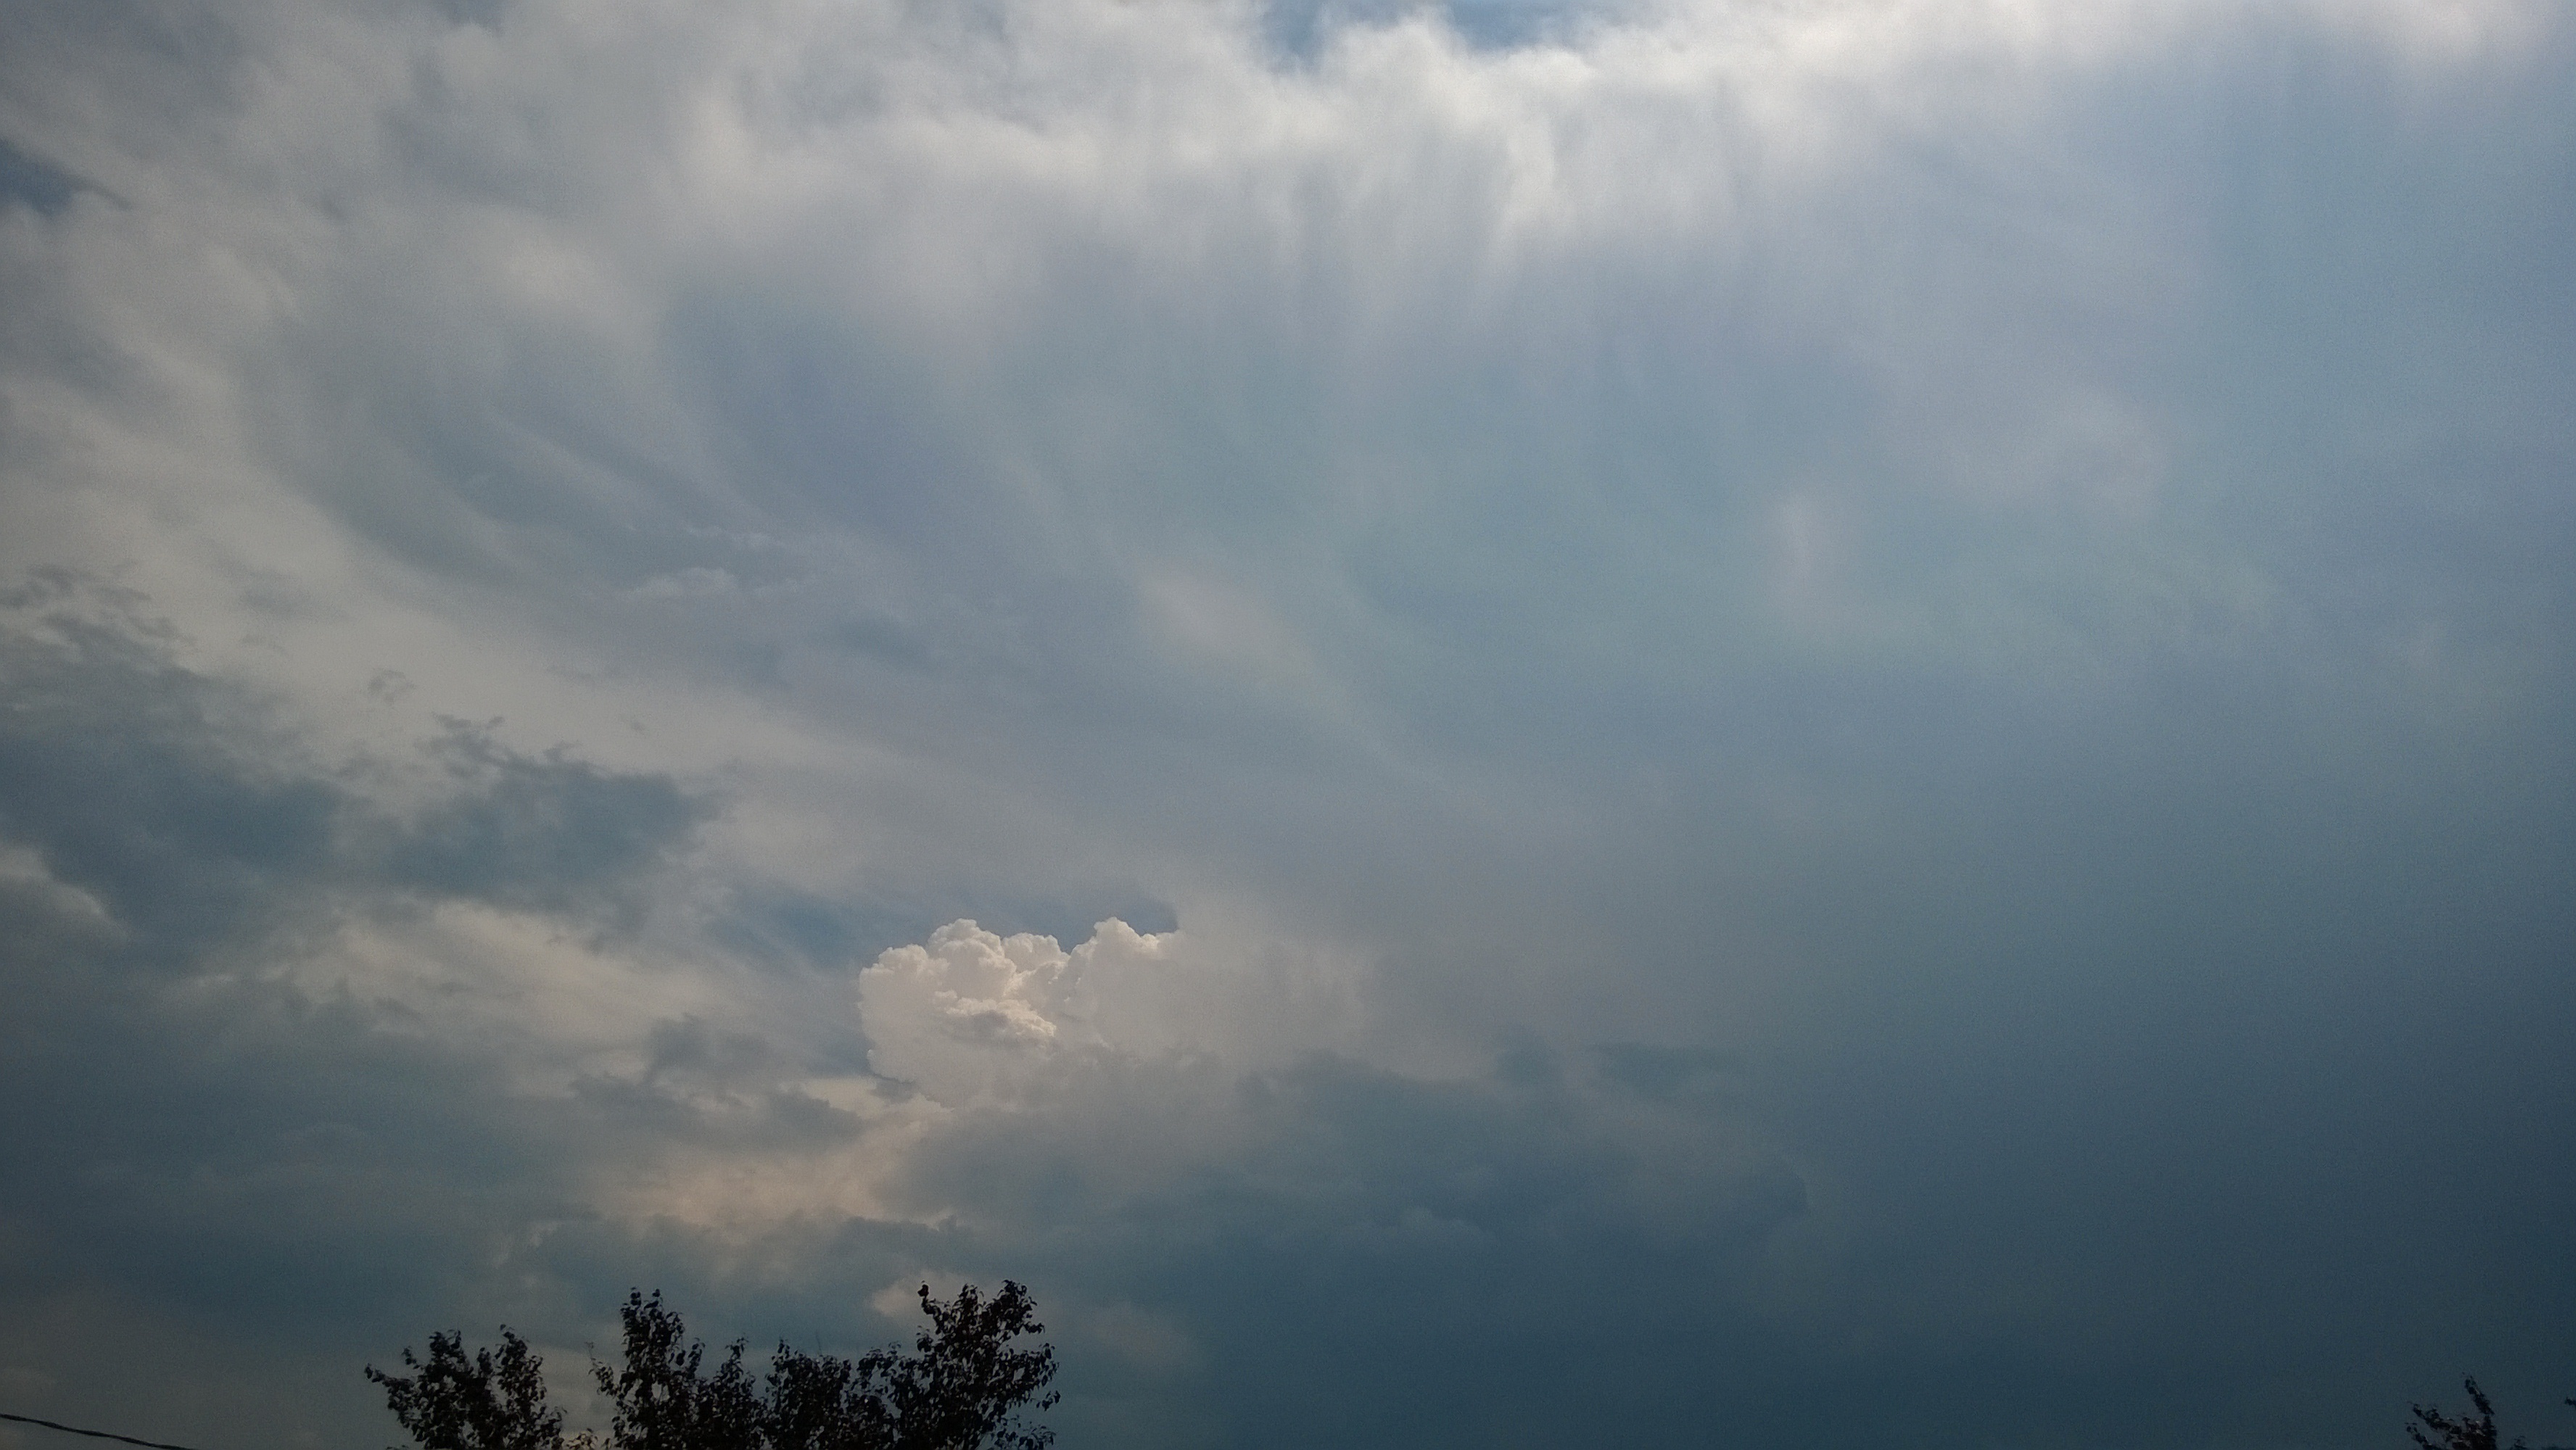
(969, 1010)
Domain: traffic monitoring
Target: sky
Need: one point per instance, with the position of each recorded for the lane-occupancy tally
(1541, 723)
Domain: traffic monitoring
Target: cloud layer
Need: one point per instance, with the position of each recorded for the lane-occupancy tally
(1525, 723)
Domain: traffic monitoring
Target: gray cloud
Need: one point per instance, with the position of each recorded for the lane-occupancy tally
(1857, 713)
(29, 181)
(199, 1138)
(121, 771)
(1447, 1236)
(535, 832)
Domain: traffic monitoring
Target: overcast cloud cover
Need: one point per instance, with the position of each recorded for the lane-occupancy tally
(1834, 724)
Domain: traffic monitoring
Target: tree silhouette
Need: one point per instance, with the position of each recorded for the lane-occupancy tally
(965, 1380)
(664, 1401)
(2476, 1432)
(960, 1388)
(2465, 1432)
(494, 1401)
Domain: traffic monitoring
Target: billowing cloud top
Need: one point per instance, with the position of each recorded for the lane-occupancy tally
(950, 1015)
(1519, 722)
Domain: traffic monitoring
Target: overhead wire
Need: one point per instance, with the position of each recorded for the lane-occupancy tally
(93, 1434)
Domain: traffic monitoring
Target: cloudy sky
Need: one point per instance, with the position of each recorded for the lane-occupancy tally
(1835, 724)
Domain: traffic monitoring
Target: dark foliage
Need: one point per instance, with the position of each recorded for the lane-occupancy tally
(818, 1402)
(2463, 1432)
(960, 1388)
(2468, 1432)
(665, 1401)
(494, 1401)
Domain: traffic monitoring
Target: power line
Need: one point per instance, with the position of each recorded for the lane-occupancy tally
(93, 1434)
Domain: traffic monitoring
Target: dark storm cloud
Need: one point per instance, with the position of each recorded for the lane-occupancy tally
(538, 833)
(1856, 715)
(127, 775)
(191, 1132)
(193, 819)
(1451, 1237)
(28, 181)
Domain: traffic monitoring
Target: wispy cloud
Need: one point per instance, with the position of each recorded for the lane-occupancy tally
(1832, 714)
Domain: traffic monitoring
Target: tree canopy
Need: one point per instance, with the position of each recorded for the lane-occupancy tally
(961, 1386)
(2473, 1431)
